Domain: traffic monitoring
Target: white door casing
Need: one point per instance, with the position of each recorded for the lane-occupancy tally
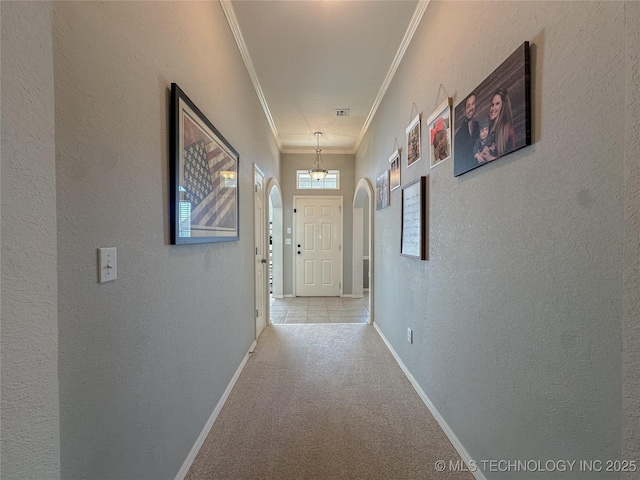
(317, 246)
(363, 201)
(260, 267)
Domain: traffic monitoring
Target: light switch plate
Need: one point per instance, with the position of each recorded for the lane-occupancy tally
(107, 264)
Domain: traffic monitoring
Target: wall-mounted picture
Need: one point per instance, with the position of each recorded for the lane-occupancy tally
(413, 241)
(495, 118)
(394, 168)
(414, 151)
(439, 128)
(204, 177)
(382, 191)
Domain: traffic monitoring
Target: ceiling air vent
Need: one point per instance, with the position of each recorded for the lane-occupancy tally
(342, 112)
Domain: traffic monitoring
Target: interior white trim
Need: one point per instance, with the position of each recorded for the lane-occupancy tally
(230, 13)
(363, 187)
(216, 411)
(325, 151)
(434, 411)
(413, 25)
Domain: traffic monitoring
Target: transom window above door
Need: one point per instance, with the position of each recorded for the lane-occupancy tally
(330, 182)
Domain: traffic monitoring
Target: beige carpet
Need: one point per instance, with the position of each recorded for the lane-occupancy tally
(323, 401)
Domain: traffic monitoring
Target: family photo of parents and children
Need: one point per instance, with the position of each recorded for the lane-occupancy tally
(494, 119)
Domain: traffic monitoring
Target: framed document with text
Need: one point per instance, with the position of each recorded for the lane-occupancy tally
(414, 219)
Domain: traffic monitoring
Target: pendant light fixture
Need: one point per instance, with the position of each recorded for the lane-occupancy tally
(318, 172)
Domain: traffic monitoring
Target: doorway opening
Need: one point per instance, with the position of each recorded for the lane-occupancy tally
(363, 278)
(275, 243)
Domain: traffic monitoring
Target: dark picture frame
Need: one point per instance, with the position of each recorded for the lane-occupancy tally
(501, 105)
(413, 238)
(204, 200)
(382, 191)
(394, 170)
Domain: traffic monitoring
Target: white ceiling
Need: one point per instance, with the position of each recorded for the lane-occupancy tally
(309, 58)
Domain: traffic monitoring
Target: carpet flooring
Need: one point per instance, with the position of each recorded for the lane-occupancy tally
(323, 401)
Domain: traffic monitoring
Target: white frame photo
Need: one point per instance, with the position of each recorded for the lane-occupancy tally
(394, 170)
(440, 120)
(414, 149)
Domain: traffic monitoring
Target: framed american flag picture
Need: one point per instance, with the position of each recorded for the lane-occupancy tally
(204, 177)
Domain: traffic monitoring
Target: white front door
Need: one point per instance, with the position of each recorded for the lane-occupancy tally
(259, 220)
(318, 246)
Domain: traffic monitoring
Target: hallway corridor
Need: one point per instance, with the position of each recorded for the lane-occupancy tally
(324, 401)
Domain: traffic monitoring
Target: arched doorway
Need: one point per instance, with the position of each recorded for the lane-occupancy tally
(363, 277)
(276, 241)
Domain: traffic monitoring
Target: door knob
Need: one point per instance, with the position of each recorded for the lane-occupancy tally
(298, 252)
(298, 245)
(264, 260)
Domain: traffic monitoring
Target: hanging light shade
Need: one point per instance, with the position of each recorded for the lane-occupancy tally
(318, 172)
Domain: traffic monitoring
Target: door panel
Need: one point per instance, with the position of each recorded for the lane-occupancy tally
(259, 249)
(319, 258)
(309, 243)
(327, 272)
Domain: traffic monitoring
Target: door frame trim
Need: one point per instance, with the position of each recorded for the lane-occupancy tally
(293, 250)
(363, 187)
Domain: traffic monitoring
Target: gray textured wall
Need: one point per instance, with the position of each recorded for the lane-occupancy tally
(518, 313)
(343, 162)
(631, 247)
(30, 426)
(145, 359)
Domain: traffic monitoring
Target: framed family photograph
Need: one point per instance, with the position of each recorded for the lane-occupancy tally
(394, 168)
(382, 191)
(204, 177)
(494, 119)
(439, 128)
(413, 241)
(414, 152)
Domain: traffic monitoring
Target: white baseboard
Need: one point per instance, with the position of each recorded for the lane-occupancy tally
(288, 295)
(347, 295)
(216, 411)
(434, 411)
(365, 289)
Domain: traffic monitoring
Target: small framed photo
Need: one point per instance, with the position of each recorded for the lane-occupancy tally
(394, 168)
(439, 128)
(414, 151)
(204, 177)
(382, 191)
(413, 241)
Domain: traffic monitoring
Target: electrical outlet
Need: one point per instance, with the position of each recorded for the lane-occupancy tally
(409, 335)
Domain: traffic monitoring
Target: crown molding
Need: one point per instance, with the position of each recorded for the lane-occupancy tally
(230, 13)
(413, 25)
(325, 152)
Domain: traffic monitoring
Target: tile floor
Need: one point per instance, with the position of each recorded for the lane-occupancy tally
(320, 310)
